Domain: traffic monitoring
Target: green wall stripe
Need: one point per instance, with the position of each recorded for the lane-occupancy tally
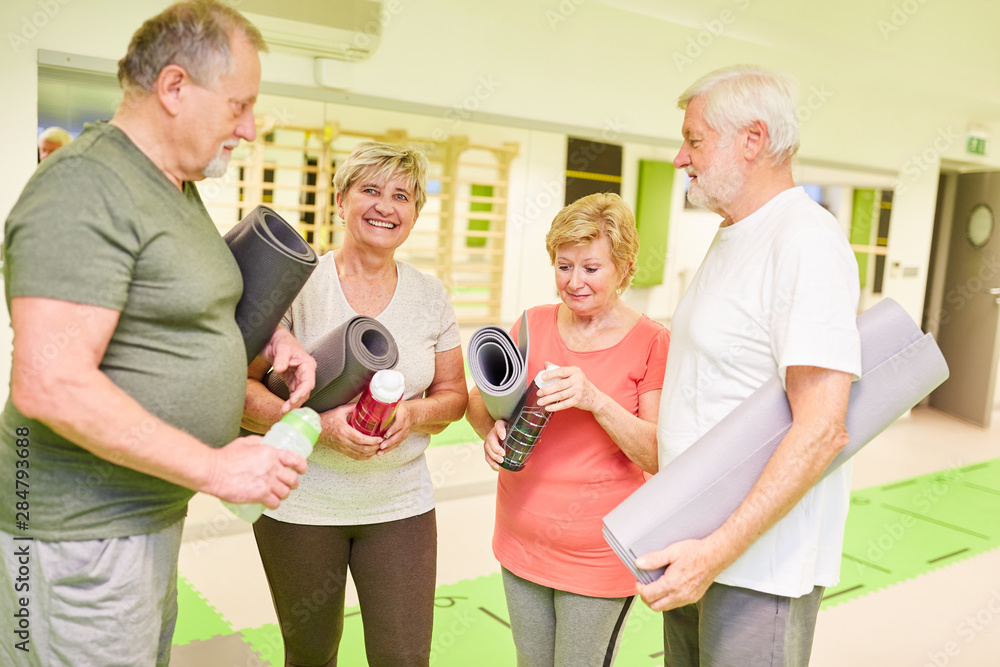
(652, 218)
(483, 207)
(861, 228)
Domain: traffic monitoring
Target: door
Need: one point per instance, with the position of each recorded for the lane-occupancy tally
(969, 331)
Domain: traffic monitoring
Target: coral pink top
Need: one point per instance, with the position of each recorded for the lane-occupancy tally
(550, 514)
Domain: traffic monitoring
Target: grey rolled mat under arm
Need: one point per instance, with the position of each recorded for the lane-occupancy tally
(275, 262)
(499, 367)
(346, 360)
(696, 492)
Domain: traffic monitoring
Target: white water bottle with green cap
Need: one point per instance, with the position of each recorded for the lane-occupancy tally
(297, 431)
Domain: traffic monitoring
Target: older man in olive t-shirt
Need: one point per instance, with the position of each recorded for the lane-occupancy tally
(129, 371)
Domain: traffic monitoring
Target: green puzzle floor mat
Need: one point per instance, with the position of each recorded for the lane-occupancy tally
(894, 532)
(900, 530)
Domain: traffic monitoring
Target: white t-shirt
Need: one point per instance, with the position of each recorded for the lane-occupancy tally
(339, 490)
(778, 288)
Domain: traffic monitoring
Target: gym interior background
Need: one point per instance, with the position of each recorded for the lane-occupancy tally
(522, 103)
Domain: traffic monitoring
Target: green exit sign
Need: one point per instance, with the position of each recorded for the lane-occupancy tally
(976, 144)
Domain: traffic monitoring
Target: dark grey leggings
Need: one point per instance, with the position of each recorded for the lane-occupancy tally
(393, 565)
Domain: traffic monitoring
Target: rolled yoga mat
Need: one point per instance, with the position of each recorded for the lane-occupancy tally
(347, 359)
(500, 368)
(275, 262)
(696, 492)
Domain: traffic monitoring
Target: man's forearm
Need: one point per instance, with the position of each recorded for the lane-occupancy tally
(797, 464)
(818, 398)
(94, 413)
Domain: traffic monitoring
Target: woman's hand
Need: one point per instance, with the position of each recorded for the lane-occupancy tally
(572, 389)
(338, 434)
(399, 429)
(493, 445)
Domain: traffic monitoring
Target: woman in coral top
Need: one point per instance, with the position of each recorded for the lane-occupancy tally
(568, 595)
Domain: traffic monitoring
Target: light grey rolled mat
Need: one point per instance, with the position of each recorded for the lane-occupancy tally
(499, 367)
(696, 492)
(275, 262)
(346, 360)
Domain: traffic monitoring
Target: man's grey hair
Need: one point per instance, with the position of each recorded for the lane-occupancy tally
(194, 35)
(737, 96)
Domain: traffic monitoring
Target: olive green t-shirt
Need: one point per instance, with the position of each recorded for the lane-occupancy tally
(100, 224)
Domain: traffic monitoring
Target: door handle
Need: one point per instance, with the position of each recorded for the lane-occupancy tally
(994, 290)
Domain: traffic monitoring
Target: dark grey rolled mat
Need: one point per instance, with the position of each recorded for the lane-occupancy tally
(696, 492)
(347, 359)
(275, 262)
(499, 367)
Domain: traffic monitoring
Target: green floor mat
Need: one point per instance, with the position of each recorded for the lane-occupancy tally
(471, 628)
(456, 433)
(196, 618)
(894, 532)
(900, 530)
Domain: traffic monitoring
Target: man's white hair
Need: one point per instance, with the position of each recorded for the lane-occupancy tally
(739, 95)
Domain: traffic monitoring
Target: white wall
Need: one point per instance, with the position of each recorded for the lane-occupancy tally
(569, 63)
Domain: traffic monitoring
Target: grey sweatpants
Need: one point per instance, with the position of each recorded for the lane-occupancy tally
(554, 628)
(90, 603)
(739, 627)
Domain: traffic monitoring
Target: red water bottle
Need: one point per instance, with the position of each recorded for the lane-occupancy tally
(377, 405)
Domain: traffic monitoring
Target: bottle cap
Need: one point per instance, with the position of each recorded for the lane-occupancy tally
(538, 378)
(305, 421)
(387, 386)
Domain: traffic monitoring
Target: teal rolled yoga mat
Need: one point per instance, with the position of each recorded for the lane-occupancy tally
(696, 492)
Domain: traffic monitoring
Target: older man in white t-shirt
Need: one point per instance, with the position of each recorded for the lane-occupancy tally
(776, 293)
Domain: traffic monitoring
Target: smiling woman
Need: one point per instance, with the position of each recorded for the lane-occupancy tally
(367, 500)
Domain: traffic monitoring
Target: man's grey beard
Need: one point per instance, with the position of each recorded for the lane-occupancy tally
(719, 185)
(219, 165)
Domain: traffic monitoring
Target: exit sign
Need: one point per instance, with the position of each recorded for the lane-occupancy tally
(976, 144)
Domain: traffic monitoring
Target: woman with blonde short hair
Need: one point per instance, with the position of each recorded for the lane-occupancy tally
(366, 502)
(568, 595)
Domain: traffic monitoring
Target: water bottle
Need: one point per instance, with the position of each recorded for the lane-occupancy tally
(525, 427)
(377, 405)
(297, 431)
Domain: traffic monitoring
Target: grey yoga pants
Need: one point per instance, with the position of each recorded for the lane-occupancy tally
(554, 628)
